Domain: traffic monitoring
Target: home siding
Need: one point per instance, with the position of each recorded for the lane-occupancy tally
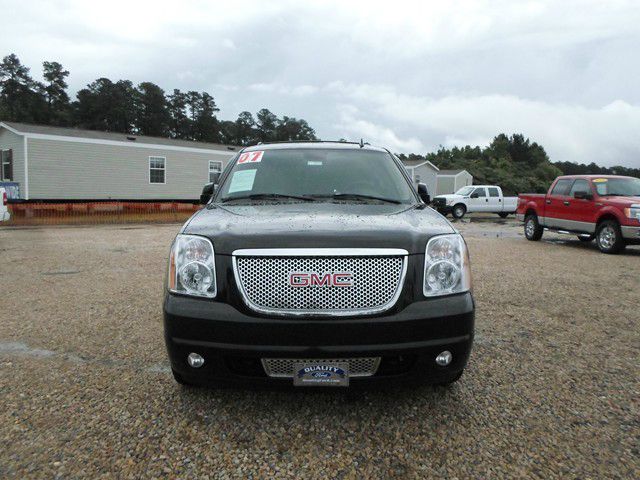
(15, 142)
(82, 171)
(446, 185)
(428, 176)
(463, 179)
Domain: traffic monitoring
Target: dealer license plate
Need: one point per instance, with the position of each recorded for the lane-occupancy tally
(320, 374)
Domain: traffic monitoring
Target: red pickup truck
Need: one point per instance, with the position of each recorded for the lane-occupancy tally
(604, 207)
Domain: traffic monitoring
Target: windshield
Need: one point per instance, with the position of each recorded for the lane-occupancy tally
(464, 191)
(289, 174)
(624, 187)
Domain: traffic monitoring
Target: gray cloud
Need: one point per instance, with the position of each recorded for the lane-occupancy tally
(408, 75)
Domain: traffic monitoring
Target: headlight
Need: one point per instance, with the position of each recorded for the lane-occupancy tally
(192, 268)
(446, 266)
(633, 212)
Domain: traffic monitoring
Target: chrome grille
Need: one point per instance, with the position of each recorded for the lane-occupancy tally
(284, 367)
(264, 280)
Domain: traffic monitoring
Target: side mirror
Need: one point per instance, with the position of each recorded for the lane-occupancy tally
(582, 195)
(475, 195)
(423, 193)
(207, 192)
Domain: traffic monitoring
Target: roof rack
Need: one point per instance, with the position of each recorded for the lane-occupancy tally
(361, 143)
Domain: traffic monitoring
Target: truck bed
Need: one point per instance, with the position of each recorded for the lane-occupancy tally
(528, 201)
(509, 204)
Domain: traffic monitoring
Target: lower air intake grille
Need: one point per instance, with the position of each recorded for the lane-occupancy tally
(283, 367)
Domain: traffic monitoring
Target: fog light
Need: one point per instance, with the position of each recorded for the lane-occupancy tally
(444, 358)
(195, 360)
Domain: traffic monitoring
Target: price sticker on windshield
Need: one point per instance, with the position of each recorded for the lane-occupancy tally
(251, 157)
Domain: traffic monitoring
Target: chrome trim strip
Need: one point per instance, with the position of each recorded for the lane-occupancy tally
(630, 232)
(550, 222)
(572, 225)
(320, 252)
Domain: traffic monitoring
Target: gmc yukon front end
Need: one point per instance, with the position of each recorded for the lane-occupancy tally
(317, 264)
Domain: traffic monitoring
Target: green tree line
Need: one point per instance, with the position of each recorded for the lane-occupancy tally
(514, 162)
(143, 109)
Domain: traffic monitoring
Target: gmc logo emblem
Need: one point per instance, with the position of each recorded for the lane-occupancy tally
(313, 279)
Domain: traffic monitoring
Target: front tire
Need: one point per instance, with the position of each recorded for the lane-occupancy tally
(609, 237)
(532, 229)
(458, 211)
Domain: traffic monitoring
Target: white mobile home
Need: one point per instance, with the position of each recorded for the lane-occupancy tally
(55, 163)
(450, 181)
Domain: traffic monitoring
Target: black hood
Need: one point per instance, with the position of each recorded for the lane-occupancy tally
(317, 225)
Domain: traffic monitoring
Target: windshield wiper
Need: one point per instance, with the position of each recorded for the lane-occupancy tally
(358, 196)
(267, 196)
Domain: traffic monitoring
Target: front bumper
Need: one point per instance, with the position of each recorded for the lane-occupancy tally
(631, 234)
(233, 342)
(440, 204)
(443, 208)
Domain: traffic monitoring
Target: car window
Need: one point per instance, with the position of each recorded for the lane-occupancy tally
(312, 172)
(562, 186)
(620, 186)
(580, 186)
(480, 192)
(464, 191)
(493, 192)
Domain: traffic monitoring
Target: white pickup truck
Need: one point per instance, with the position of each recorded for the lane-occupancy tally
(476, 198)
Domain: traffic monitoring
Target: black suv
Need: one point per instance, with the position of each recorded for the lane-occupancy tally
(317, 264)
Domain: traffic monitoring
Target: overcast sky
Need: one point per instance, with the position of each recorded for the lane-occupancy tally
(407, 75)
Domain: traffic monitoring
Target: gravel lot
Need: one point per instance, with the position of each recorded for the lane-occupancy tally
(552, 388)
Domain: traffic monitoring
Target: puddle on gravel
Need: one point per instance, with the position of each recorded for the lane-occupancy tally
(557, 241)
(24, 350)
(491, 233)
(159, 368)
(62, 272)
(20, 348)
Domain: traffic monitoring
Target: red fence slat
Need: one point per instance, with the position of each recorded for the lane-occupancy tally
(39, 213)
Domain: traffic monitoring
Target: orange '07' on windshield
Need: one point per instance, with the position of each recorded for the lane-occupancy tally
(251, 157)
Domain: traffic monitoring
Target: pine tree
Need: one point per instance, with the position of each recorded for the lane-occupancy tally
(152, 113)
(55, 93)
(21, 97)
